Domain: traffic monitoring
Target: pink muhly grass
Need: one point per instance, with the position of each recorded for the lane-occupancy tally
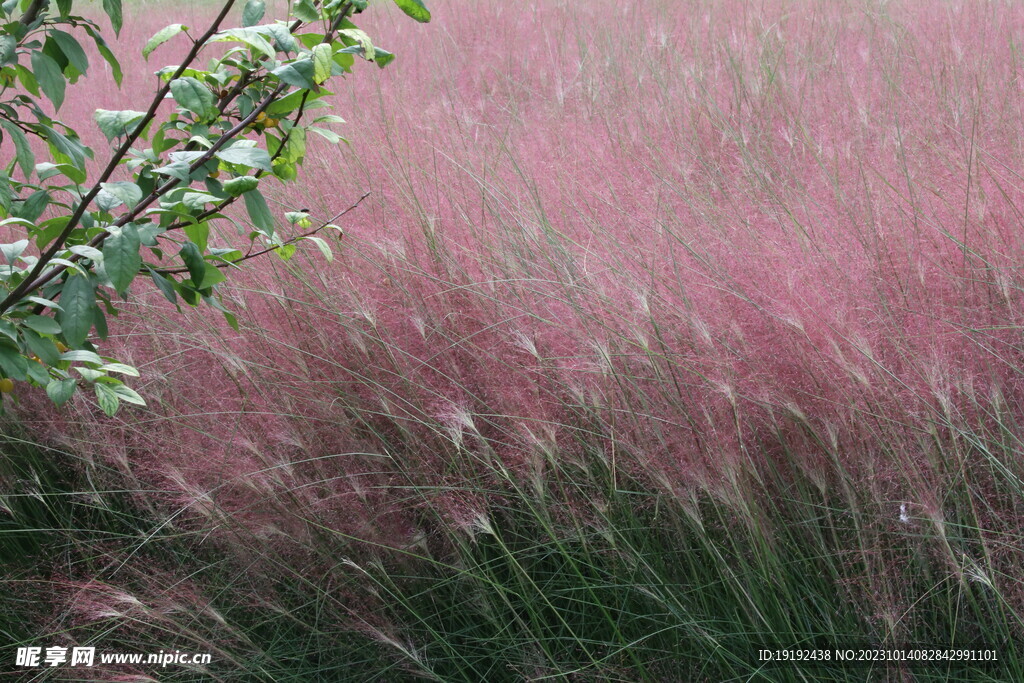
(701, 243)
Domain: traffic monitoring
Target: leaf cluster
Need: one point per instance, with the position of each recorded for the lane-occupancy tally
(239, 121)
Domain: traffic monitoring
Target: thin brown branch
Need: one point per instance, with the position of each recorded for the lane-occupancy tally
(291, 240)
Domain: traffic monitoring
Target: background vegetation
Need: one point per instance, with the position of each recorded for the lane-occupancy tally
(670, 331)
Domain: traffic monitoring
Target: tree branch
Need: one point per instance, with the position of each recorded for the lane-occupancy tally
(254, 254)
(32, 13)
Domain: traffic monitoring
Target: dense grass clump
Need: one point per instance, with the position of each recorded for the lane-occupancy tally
(644, 586)
(670, 332)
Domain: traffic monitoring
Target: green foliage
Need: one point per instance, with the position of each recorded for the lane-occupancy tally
(415, 9)
(241, 184)
(148, 212)
(161, 37)
(253, 12)
(115, 124)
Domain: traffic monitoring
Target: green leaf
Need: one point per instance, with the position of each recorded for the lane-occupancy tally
(195, 202)
(193, 260)
(251, 37)
(188, 157)
(42, 324)
(148, 233)
(382, 57)
(128, 395)
(12, 363)
(322, 61)
(100, 320)
(292, 101)
(122, 369)
(252, 157)
(298, 73)
(253, 12)
(13, 250)
(121, 258)
(188, 292)
(194, 96)
(85, 251)
(18, 221)
(363, 39)
(27, 80)
(211, 276)
(71, 265)
(72, 148)
(328, 135)
(329, 118)
(415, 9)
(60, 391)
(106, 201)
(50, 77)
(107, 399)
(283, 40)
(53, 51)
(285, 252)
(113, 10)
(116, 124)
(294, 148)
(23, 151)
(129, 193)
(286, 172)
(46, 303)
(259, 212)
(47, 170)
(225, 255)
(306, 11)
(43, 347)
(322, 245)
(177, 169)
(33, 207)
(199, 233)
(161, 37)
(89, 374)
(37, 374)
(104, 50)
(165, 286)
(71, 49)
(8, 45)
(6, 193)
(231, 320)
(79, 301)
(241, 184)
(81, 356)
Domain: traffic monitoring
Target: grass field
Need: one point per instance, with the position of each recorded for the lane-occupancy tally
(670, 332)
